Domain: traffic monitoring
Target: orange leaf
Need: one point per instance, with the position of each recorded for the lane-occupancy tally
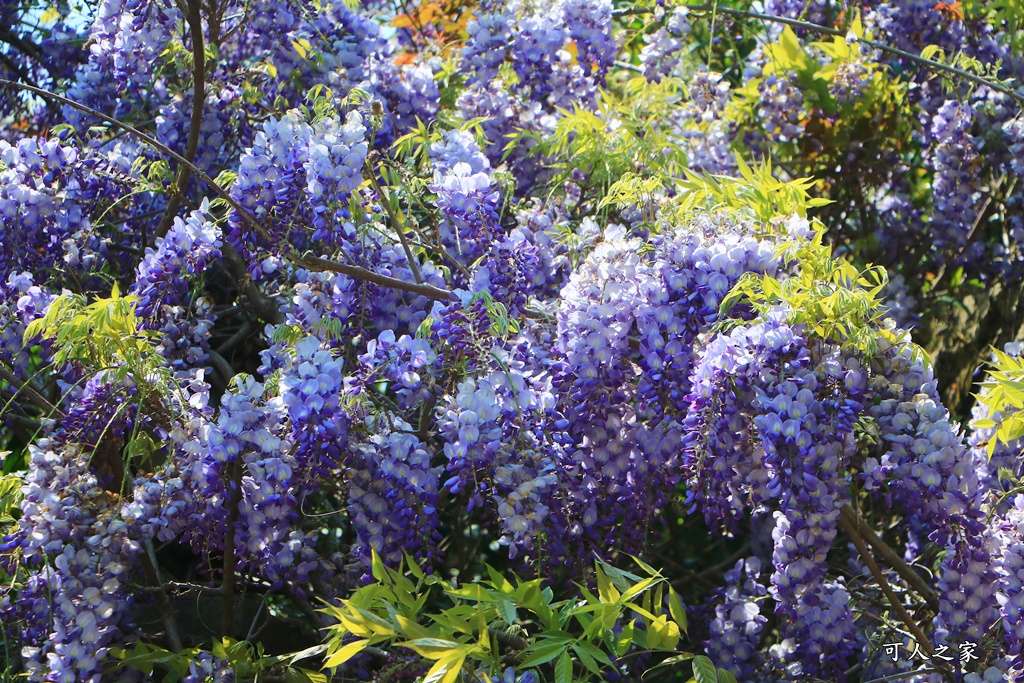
(574, 50)
(405, 58)
(952, 11)
(428, 11)
(402, 21)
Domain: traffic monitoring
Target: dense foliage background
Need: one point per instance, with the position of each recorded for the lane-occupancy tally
(515, 342)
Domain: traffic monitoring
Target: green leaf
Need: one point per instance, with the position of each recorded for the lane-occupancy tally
(377, 567)
(625, 639)
(589, 649)
(563, 669)
(588, 662)
(507, 610)
(542, 654)
(704, 671)
(673, 660)
(296, 675)
(472, 591)
(639, 588)
(500, 583)
(414, 567)
(930, 51)
(725, 676)
(662, 633)
(605, 590)
(675, 608)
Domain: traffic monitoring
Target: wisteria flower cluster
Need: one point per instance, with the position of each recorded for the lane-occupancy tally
(304, 304)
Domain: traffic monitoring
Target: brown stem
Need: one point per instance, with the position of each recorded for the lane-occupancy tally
(894, 601)
(10, 64)
(220, 191)
(426, 412)
(319, 264)
(385, 199)
(727, 563)
(930, 63)
(8, 36)
(227, 587)
(31, 394)
(265, 308)
(312, 263)
(236, 339)
(152, 570)
(222, 366)
(891, 557)
(510, 641)
(982, 215)
(195, 22)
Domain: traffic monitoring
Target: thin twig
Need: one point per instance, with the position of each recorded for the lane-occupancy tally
(630, 67)
(265, 308)
(30, 393)
(903, 674)
(894, 601)
(891, 557)
(10, 64)
(195, 22)
(236, 339)
(152, 570)
(728, 563)
(253, 631)
(982, 214)
(439, 248)
(930, 63)
(311, 263)
(221, 192)
(222, 366)
(227, 587)
(8, 36)
(396, 222)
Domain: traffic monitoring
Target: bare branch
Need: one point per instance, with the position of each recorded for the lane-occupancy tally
(894, 601)
(396, 222)
(195, 22)
(913, 579)
(31, 394)
(319, 264)
(311, 263)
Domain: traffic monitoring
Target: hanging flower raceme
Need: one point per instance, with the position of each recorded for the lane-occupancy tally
(296, 180)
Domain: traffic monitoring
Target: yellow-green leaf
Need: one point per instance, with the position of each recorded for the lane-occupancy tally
(432, 648)
(446, 670)
(675, 608)
(346, 653)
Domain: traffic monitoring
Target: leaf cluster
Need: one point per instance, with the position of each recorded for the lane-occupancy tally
(756, 193)
(247, 660)
(102, 334)
(493, 622)
(833, 300)
(1003, 394)
(632, 133)
(10, 498)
